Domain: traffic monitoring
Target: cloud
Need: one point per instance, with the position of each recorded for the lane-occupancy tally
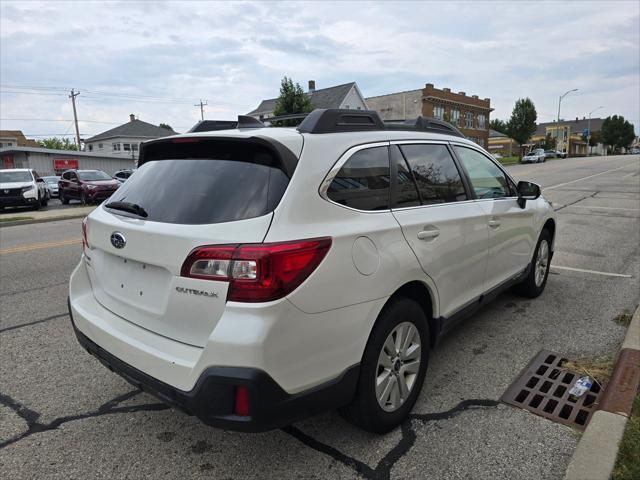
(234, 54)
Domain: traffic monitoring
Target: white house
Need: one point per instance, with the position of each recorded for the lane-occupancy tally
(125, 140)
(346, 96)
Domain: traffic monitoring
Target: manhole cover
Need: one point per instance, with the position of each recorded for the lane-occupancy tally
(543, 388)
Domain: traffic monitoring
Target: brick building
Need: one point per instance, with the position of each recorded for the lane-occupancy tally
(467, 112)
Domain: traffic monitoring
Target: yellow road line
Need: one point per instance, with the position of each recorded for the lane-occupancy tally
(38, 246)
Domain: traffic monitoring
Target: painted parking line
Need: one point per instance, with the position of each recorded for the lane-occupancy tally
(39, 246)
(596, 272)
(588, 177)
(605, 208)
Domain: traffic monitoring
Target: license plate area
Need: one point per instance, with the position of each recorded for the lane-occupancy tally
(135, 283)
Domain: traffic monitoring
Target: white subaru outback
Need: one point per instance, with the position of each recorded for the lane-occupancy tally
(254, 276)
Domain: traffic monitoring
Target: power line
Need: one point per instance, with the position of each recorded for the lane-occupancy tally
(54, 120)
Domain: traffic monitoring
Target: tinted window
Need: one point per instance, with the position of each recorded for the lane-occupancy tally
(247, 183)
(487, 180)
(363, 181)
(435, 173)
(406, 190)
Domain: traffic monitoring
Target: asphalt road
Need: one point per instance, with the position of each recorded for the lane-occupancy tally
(63, 415)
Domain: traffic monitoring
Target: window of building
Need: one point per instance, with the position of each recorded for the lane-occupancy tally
(116, 147)
(134, 147)
(468, 120)
(363, 181)
(481, 121)
(435, 173)
(455, 116)
(487, 180)
(126, 147)
(100, 146)
(91, 148)
(438, 112)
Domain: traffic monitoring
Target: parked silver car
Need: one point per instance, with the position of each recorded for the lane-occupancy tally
(534, 156)
(51, 183)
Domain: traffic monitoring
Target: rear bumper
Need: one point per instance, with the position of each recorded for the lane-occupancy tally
(212, 398)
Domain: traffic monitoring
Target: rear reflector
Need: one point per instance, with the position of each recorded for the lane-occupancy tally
(257, 272)
(241, 406)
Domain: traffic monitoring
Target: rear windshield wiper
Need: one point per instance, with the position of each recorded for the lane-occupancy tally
(128, 207)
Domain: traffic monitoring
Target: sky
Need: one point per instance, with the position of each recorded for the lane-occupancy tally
(158, 59)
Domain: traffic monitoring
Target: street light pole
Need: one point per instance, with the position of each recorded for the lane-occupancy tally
(589, 130)
(560, 103)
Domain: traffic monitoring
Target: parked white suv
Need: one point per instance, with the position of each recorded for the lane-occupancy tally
(22, 187)
(255, 276)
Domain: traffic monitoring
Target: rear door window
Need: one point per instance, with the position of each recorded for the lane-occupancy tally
(213, 184)
(435, 173)
(363, 181)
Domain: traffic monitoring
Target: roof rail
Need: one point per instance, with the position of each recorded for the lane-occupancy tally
(426, 124)
(243, 121)
(333, 120)
(291, 116)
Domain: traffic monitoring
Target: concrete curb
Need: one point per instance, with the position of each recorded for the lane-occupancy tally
(596, 453)
(42, 220)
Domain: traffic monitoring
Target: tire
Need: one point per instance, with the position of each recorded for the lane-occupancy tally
(402, 317)
(38, 204)
(83, 198)
(533, 284)
(63, 199)
(45, 201)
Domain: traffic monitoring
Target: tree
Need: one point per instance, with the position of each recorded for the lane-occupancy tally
(292, 100)
(522, 123)
(549, 142)
(498, 125)
(57, 143)
(166, 126)
(617, 132)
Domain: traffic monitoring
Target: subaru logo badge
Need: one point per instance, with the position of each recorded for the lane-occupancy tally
(118, 240)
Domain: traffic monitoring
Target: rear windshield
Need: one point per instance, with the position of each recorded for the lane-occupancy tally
(242, 182)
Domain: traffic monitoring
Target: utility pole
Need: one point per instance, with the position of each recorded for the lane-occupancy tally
(75, 116)
(201, 105)
(558, 124)
(589, 130)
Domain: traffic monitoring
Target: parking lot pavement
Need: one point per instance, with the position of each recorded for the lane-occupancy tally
(64, 415)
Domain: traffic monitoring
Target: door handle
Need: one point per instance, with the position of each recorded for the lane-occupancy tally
(494, 223)
(428, 234)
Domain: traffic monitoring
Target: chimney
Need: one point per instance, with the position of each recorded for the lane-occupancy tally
(429, 85)
(576, 119)
(132, 117)
(462, 93)
(474, 96)
(446, 90)
(312, 85)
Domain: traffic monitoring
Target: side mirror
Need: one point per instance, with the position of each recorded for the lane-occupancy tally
(39, 180)
(527, 191)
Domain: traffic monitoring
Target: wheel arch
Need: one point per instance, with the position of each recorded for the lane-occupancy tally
(550, 226)
(423, 296)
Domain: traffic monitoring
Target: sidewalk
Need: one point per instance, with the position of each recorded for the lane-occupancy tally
(38, 216)
(596, 454)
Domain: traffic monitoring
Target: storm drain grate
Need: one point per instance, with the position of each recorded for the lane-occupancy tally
(543, 388)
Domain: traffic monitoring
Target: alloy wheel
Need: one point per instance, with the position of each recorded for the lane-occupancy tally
(398, 366)
(542, 263)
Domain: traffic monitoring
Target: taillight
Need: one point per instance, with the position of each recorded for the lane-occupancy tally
(85, 233)
(257, 272)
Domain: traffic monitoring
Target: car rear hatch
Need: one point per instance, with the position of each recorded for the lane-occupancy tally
(188, 192)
